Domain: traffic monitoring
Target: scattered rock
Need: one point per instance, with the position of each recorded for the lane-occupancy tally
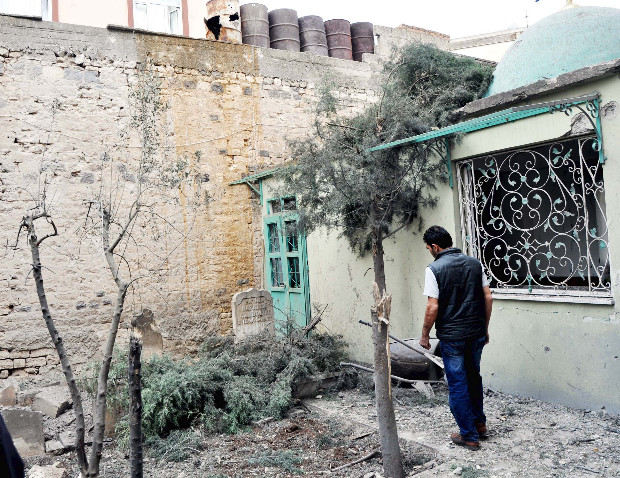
(67, 439)
(8, 395)
(458, 471)
(26, 397)
(52, 471)
(54, 447)
(52, 401)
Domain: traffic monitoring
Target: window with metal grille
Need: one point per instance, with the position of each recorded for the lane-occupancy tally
(158, 15)
(535, 217)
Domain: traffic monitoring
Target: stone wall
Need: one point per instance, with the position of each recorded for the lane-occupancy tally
(64, 103)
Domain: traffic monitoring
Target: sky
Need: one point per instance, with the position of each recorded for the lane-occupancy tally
(456, 18)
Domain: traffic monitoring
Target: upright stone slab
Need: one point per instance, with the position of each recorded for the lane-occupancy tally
(252, 313)
(26, 429)
(146, 328)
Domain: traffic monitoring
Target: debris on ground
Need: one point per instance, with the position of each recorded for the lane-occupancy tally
(527, 438)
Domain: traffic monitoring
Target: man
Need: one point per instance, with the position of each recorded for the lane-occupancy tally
(459, 305)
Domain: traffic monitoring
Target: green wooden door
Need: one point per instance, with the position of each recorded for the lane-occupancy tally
(286, 265)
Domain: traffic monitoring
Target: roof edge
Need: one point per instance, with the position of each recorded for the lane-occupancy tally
(523, 93)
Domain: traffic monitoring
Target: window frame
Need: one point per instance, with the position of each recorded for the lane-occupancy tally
(43, 9)
(170, 6)
(471, 218)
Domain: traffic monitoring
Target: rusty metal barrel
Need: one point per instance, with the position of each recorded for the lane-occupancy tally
(284, 29)
(222, 21)
(338, 33)
(362, 39)
(312, 35)
(255, 25)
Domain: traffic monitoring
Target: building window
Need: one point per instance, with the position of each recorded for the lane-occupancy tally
(158, 15)
(27, 8)
(535, 217)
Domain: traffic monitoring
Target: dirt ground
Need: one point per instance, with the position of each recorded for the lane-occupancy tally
(528, 438)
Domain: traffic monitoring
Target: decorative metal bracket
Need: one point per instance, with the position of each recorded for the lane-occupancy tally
(592, 114)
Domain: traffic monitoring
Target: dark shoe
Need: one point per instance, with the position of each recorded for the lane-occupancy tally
(471, 445)
(482, 431)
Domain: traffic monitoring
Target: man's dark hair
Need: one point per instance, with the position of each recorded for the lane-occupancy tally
(437, 235)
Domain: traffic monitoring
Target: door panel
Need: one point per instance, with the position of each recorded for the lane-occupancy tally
(286, 264)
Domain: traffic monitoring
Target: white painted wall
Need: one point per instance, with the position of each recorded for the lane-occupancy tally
(93, 13)
(342, 280)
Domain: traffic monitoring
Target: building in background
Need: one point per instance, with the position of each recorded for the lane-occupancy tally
(487, 46)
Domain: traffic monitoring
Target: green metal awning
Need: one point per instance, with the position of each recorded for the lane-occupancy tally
(252, 178)
(512, 114)
(255, 177)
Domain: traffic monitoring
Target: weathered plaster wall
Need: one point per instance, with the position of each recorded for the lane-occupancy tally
(561, 352)
(63, 98)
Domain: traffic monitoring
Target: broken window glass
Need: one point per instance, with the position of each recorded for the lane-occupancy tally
(277, 279)
(274, 237)
(275, 206)
(290, 204)
(293, 272)
(292, 244)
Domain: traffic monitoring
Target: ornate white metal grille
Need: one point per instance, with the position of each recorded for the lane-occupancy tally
(536, 219)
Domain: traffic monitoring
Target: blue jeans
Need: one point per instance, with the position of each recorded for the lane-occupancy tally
(461, 360)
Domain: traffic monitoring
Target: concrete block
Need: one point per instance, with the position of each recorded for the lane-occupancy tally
(19, 363)
(6, 364)
(52, 401)
(51, 471)
(35, 362)
(4, 374)
(26, 428)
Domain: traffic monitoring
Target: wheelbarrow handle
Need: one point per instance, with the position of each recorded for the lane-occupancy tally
(429, 356)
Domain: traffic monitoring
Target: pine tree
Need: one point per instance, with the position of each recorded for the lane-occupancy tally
(369, 196)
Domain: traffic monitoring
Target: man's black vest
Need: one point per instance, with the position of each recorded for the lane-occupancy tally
(461, 313)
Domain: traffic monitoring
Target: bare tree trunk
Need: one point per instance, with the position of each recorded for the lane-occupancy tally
(102, 385)
(135, 406)
(388, 433)
(28, 223)
(380, 313)
(102, 381)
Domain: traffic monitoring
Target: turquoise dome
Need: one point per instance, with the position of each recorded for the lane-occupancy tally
(566, 41)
